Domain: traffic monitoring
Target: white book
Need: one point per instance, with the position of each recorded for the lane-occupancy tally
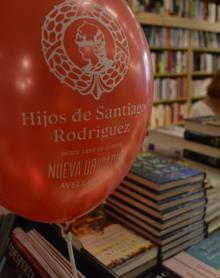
(195, 264)
(212, 12)
(181, 269)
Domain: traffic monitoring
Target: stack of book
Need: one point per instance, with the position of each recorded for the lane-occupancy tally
(201, 260)
(29, 254)
(163, 201)
(116, 248)
(213, 209)
(203, 132)
(212, 185)
(166, 140)
(199, 147)
(198, 141)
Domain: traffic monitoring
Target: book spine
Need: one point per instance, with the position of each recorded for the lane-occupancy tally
(21, 262)
(202, 138)
(6, 224)
(206, 159)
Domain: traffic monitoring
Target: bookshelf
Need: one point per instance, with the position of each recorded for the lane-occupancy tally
(201, 51)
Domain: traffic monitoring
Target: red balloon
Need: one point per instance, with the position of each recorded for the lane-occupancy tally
(75, 102)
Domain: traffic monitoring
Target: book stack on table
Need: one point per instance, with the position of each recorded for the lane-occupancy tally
(199, 140)
(198, 144)
(29, 254)
(201, 260)
(163, 201)
(119, 250)
(213, 209)
(205, 132)
(212, 186)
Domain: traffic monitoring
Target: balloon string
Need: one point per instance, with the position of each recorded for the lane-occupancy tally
(68, 239)
(66, 233)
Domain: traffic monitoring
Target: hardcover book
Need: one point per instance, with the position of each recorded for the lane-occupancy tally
(174, 146)
(207, 125)
(85, 261)
(117, 247)
(163, 215)
(203, 158)
(181, 247)
(152, 194)
(212, 174)
(162, 204)
(30, 255)
(157, 226)
(207, 251)
(199, 231)
(212, 213)
(160, 173)
(19, 263)
(202, 138)
(183, 270)
(214, 225)
(197, 265)
(144, 230)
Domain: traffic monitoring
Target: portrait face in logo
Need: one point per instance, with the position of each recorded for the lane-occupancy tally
(87, 52)
(92, 46)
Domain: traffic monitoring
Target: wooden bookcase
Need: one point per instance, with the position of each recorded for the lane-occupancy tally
(191, 25)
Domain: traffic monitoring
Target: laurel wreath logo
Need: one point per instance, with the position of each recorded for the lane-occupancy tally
(100, 73)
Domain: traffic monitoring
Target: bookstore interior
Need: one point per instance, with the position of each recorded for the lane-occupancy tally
(110, 139)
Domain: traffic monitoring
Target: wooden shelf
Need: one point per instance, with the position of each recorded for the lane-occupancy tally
(197, 98)
(204, 50)
(169, 101)
(177, 22)
(181, 123)
(202, 74)
(164, 48)
(167, 74)
(190, 25)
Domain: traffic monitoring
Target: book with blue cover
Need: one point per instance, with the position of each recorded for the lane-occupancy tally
(153, 194)
(163, 204)
(208, 250)
(160, 173)
(163, 214)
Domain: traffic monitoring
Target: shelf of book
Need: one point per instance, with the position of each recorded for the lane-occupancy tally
(177, 22)
(163, 48)
(197, 98)
(206, 50)
(202, 74)
(170, 101)
(184, 44)
(167, 74)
